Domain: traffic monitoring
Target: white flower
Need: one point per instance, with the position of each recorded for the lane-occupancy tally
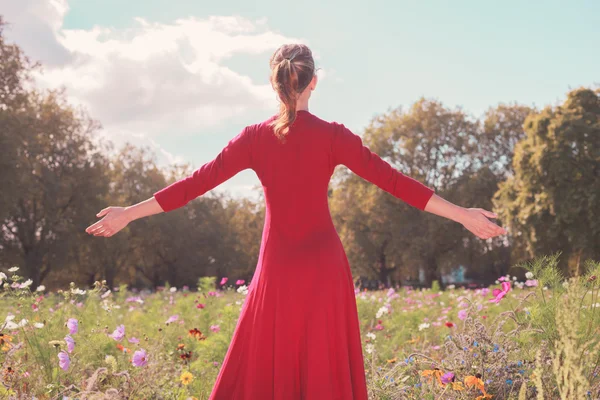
(173, 290)
(497, 282)
(381, 311)
(514, 278)
(451, 287)
(442, 303)
(369, 348)
(38, 325)
(424, 325)
(40, 288)
(13, 269)
(106, 294)
(2, 277)
(565, 284)
(26, 284)
(529, 275)
(78, 291)
(243, 289)
(371, 335)
(545, 287)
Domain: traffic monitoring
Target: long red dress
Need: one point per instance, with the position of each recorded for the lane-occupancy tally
(298, 335)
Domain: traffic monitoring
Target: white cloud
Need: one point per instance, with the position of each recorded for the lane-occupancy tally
(151, 78)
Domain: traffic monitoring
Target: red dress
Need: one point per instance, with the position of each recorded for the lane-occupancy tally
(298, 335)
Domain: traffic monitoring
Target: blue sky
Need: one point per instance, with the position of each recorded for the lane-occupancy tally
(376, 55)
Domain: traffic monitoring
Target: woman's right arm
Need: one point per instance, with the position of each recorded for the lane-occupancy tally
(117, 218)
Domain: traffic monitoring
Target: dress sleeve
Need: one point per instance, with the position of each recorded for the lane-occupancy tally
(349, 150)
(235, 157)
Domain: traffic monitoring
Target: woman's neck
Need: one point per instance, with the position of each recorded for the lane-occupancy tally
(302, 105)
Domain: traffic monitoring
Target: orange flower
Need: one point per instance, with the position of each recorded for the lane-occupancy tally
(180, 346)
(457, 386)
(415, 340)
(485, 396)
(471, 381)
(123, 349)
(393, 360)
(433, 373)
(197, 334)
(5, 341)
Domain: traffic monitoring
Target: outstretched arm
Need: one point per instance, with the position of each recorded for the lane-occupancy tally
(235, 157)
(348, 149)
(117, 218)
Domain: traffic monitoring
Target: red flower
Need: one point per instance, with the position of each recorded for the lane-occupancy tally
(200, 305)
(449, 324)
(197, 334)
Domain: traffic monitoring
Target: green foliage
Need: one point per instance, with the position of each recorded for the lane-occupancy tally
(435, 286)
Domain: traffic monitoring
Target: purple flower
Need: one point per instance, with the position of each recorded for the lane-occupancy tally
(448, 377)
(140, 358)
(63, 360)
(462, 315)
(133, 340)
(215, 328)
(119, 333)
(73, 326)
(172, 319)
(70, 343)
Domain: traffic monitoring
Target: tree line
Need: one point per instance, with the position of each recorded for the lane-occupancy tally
(539, 169)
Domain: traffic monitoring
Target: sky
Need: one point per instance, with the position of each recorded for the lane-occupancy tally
(183, 77)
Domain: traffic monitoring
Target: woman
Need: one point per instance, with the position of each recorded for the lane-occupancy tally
(294, 339)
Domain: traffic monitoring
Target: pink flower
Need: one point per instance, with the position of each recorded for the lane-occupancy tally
(172, 319)
(223, 281)
(499, 294)
(212, 293)
(240, 282)
(70, 343)
(462, 315)
(133, 340)
(215, 328)
(200, 305)
(379, 327)
(63, 360)
(485, 291)
(140, 358)
(531, 282)
(73, 326)
(119, 333)
(216, 363)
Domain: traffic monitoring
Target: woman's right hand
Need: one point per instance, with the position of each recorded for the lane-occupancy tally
(115, 219)
(476, 220)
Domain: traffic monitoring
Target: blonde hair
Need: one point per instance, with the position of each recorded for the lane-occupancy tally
(292, 70)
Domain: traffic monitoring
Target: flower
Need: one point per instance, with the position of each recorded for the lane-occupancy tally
(180, 346)
(119, 333)
(529, 275)
(173, 289)
(197, 334)
(133, 340)
(223, 281)
(243, 289)
(240, 282)
(381, 311)
(25, 284)
(63, 360)
(140, 358)
(531, 282)
(215, 328)
(70, 343)
(448, 377)
(484, 396)
(2, 277)
(123, 348)
(449, 324)
(499, 294)
(424, 325)
(73, 325)
(200, 306)
(369, 348)
(435, 373)
(471, 381)
(457, 386)
(13, 269)
(186, 378)
(186, 355)
(172, 319)
(462, 315)
(5, 341)
(38, 325)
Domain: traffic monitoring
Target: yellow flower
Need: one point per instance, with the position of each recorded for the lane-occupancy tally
(186, 378)
(485, 396)
(5, 341)
(433, 373)
(393, 360)
(457, 386)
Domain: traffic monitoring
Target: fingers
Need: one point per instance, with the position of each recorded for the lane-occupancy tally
(489, 214)
(94, 227)
(103, 212)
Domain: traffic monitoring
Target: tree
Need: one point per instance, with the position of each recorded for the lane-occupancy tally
(551, 202)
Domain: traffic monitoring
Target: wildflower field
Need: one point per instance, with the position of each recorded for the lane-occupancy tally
(534, 338)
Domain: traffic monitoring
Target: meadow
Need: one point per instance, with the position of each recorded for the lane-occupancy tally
(520, 339)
